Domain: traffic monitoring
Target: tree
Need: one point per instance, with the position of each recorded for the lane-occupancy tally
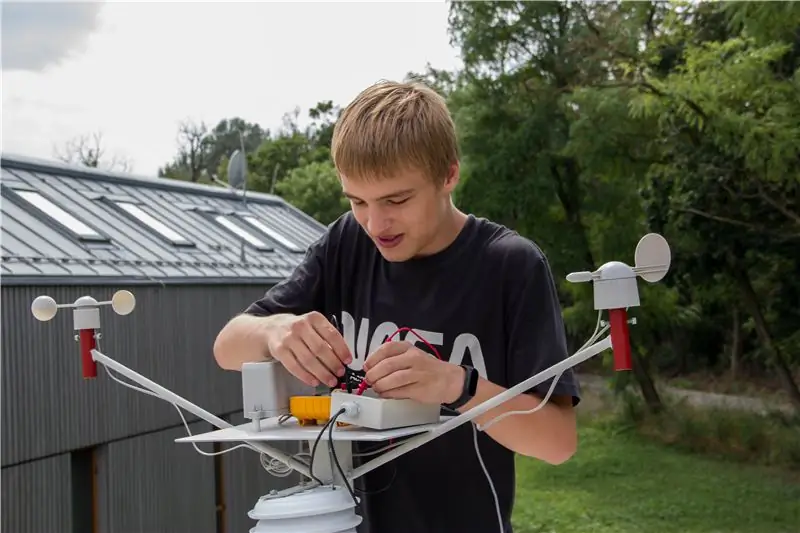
(585, 125)
(512, 105)
(293, 147)
(203, 153)
(88, 150)
(192, 159)
(315, 189)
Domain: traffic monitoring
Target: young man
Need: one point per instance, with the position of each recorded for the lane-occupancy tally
(478, 294)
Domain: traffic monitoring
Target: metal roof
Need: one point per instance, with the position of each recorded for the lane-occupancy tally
(68, 224)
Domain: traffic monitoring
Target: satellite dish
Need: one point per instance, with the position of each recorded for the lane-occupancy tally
(652, 257)
(237, 169)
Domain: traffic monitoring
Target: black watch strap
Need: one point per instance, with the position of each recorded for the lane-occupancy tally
(469, 389)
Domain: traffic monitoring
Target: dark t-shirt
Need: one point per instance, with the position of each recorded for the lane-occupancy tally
(488, 300)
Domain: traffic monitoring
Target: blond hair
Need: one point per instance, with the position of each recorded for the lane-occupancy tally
(392, 127)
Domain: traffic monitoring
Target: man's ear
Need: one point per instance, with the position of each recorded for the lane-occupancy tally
(451, 181)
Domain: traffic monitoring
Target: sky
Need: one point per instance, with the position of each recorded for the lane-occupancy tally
(133, 70)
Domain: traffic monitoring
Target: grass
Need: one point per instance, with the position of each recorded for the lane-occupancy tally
(620, 482)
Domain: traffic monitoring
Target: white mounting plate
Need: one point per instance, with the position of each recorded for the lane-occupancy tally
(292, 430)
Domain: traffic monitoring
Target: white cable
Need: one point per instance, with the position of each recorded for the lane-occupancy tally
(379, 450)
(272, 465)
(488, 477)
(476, 427)
(594, 335)
(498, 418)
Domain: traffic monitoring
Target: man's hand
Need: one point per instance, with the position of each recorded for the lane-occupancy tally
(401, 371)
(311, 349)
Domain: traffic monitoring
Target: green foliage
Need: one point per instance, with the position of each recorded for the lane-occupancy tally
(293, 162)
(732, 434)
(315, 189)
(586, 125)
(293, 147)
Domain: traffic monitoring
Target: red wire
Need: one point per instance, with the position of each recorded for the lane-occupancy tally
(429, 345)
(363, 385)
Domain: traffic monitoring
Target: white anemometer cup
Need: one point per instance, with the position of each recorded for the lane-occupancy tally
(327, 503)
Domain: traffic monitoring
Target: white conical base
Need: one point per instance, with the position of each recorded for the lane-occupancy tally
(316, 510)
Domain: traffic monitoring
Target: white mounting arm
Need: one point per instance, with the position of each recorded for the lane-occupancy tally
(87, 319)
(467, 416)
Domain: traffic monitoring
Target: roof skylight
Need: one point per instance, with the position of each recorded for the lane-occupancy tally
(59, 215)
(154, 224)
(240, 232)
(272, 234)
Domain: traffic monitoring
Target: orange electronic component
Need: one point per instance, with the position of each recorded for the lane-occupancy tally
(310, 409)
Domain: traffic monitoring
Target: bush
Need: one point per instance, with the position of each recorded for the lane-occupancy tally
(770, 440)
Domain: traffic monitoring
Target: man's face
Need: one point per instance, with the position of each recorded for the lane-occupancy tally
(402, 214)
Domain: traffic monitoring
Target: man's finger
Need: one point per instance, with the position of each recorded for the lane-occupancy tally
(320, 349)
(334, 339)
(401, 378)
(288, 360)
(316, 345)
(385, 351)
(386, 367)
(309, 361)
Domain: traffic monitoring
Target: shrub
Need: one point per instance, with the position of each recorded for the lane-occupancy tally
(772, 439)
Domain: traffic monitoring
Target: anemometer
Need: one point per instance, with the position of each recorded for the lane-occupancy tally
(325, 502)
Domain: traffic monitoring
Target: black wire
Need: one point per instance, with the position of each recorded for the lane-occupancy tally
(316, 442)
(332, 452)
(351, 378)
(335, 459)
(394, 471)
(384, 489)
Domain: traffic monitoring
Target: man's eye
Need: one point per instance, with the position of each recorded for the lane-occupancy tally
(398, 202)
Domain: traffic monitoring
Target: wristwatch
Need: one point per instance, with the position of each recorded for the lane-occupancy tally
(469, 389)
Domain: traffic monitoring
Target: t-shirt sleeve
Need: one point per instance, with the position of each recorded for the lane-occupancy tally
(536, 335)
(302, 292)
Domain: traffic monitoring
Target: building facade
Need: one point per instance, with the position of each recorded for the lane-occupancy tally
(92, 455)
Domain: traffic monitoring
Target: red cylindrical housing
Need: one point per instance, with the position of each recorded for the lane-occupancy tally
(620, 340)
(88, 343)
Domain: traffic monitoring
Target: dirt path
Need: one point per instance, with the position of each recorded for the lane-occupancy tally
(597, 385)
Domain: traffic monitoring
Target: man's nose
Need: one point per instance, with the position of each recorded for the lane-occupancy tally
(376, 222)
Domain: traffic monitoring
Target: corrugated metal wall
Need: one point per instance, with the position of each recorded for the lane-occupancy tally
(245, 481)
(58, 428)
(36, 496)
(151, 484)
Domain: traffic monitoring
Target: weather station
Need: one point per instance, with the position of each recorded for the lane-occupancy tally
(280, 408)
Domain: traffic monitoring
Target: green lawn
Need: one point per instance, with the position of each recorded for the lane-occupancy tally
(623, 484)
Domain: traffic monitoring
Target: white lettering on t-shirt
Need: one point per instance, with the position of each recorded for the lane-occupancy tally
(357, 338)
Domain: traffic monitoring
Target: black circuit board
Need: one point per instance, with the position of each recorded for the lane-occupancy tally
(351, 379)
